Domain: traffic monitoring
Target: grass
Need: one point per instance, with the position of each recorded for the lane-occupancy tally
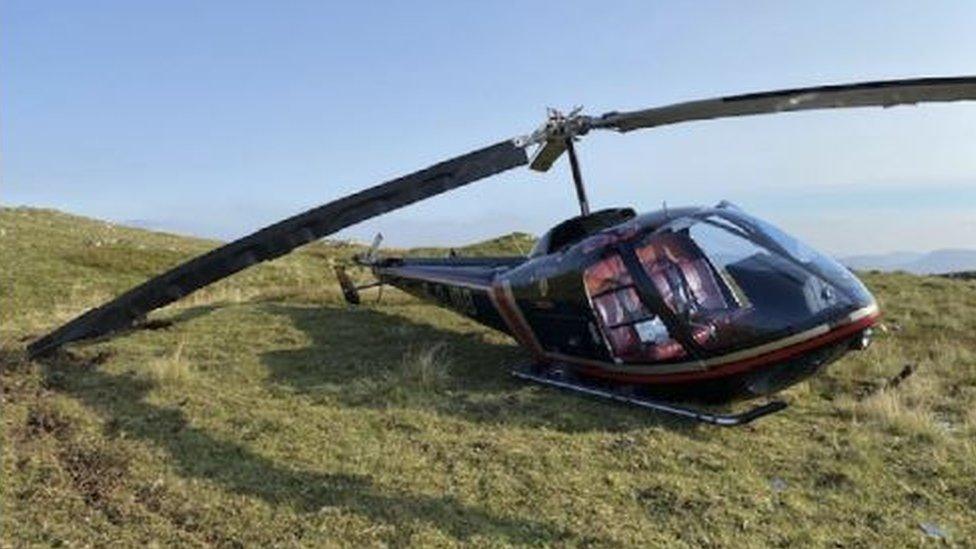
(172, 368)
(270, 413)
(511, 244)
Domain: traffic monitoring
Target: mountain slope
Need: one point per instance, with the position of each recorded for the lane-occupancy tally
(935, 262)
(270, 413)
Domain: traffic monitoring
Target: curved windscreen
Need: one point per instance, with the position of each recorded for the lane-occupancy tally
(812, 260)
(717, 281)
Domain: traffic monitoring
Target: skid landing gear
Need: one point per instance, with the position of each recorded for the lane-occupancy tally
(555, 376)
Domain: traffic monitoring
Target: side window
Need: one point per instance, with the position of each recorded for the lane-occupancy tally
(633, 333)
(682, 274)
(691, 285)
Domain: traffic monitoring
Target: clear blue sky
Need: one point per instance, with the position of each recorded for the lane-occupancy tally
(215, 118)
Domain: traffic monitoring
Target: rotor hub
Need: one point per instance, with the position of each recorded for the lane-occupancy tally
(558, 126)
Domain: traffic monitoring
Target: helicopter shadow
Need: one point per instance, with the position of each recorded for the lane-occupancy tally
(361, 356)
(197, 453)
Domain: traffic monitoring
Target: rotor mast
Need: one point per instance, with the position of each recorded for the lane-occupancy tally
(584, 204)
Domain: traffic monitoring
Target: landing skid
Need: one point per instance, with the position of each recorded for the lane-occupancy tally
(559, 378)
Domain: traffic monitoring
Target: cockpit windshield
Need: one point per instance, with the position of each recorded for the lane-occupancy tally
(714, 282)
(812, 260)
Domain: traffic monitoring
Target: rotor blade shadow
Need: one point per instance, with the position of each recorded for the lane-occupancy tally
(195, 453)
(366, 357)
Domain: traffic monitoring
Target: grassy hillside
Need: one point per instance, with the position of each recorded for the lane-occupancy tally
(270, 413)
(510, 244)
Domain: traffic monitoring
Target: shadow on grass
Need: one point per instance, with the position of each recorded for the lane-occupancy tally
(187, 314)
(354, 355)
(196, 453)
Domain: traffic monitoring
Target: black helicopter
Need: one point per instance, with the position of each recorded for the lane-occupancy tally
(683, 304)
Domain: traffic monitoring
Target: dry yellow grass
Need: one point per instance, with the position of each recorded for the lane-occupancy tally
(171, 368)
(425, 368)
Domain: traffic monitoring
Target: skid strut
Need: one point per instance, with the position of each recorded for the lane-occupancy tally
(556, 378)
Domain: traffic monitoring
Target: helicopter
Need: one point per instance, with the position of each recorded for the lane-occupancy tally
(656, 310)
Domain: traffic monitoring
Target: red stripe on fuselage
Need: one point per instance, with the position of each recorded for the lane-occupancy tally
(733, 367)
(504, 301)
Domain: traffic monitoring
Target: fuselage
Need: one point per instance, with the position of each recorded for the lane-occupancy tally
(700, 303)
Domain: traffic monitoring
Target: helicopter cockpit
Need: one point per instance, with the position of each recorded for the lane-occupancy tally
(712, 282)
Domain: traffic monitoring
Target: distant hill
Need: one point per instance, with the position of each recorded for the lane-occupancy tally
(516, 243)
(935, 262)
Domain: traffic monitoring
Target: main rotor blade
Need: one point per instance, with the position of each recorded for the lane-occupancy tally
(279, 239)
(866, 94)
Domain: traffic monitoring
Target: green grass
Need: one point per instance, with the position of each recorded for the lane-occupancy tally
(510, 244)
(271, 413)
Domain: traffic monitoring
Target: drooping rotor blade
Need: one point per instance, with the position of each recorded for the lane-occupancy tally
(279, 239)
(886, 93)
